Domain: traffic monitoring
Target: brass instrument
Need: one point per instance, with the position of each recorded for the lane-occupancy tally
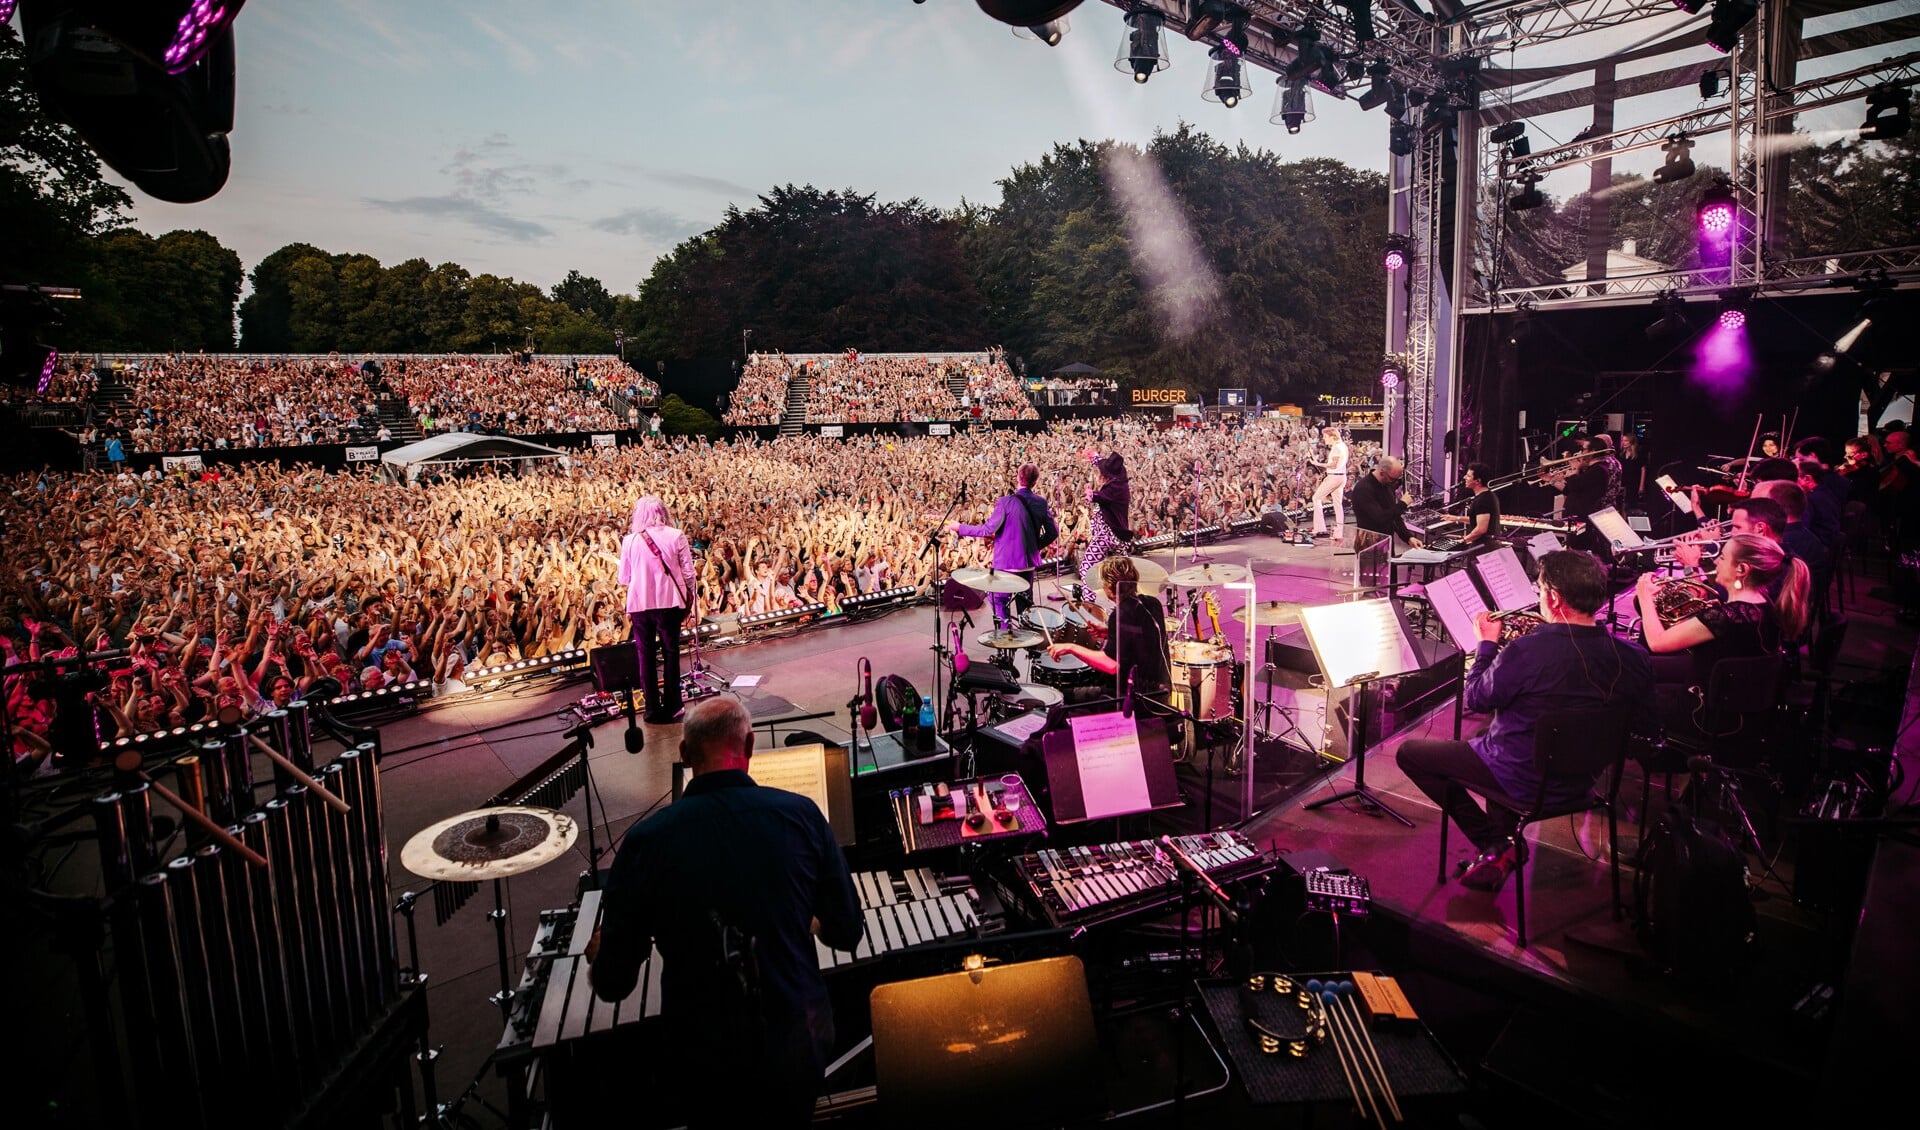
(1677, 598)
(1517, 623)
(1545, 471)
(1708, 537)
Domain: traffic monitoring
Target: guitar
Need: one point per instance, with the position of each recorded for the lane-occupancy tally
(1213, 617)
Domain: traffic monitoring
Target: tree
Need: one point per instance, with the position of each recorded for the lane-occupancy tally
(172, 293)
(266, 317)
(584, 294)
(52, 194)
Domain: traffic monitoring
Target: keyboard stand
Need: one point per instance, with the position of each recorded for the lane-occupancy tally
(1358, 755)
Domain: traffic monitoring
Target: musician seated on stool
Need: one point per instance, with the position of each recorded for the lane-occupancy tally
(1141, 642)
(1568, 663)
(731, 868)
(1747, 624)
(1483, 513)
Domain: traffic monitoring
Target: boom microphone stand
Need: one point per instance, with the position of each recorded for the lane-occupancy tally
(939, 646)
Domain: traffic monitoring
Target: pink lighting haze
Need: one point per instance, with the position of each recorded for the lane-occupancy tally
(1722, 360)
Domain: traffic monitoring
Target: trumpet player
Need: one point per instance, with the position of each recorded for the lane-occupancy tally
(1569, 663)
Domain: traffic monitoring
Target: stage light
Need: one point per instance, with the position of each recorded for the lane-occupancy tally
(1306, 54)
(1293, 108)
(1395, 256)
(1710, 83)
(1050, 33)
(1380, 87)
(6, 10)
(1728, 19)
(1027, 13)
(1529, 196)
(193, 35)
(1143, 50)
(1889, 109)
(1678, 166)
(1390, 375)
(1715, 211)
(1227, 82)
(46, 371)
(1672, 321)
(1504, 133)
(1205, 17)
(1400, 139)
(1361, 12)
(1690, 7)
(1733, 308)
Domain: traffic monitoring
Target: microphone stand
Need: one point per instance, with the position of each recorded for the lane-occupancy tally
(939, 645)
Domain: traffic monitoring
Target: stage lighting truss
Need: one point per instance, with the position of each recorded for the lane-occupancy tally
(1143, 50)
(866, 601)
(1678, 165)
(763, 620)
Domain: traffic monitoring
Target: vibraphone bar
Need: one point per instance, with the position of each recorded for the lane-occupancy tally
(1085, 886)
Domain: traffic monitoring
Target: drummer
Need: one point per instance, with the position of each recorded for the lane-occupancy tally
(1020, 526)
(1137, 653)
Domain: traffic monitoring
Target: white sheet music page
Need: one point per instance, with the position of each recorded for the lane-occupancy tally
(798, 769)
(1113, 779)
(1506, 580)
(1456, 601)
(1362, 637)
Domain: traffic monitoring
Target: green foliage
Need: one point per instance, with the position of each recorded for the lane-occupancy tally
(52, 194)
(811, 271)
(679, 418)
(172, 293)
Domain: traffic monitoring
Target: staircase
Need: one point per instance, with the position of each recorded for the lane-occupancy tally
(399, 421)
(113, 398)
(796, 413)
(957, 384)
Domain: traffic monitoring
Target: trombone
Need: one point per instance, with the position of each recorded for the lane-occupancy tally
(1537, 475)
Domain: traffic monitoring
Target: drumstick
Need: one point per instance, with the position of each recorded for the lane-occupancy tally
(1350, 1016)
(299, 774)
(129, 762)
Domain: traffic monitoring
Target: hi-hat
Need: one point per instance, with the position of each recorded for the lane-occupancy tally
(1269, 613)
(1012, 638)
(992, 580)
(1198, 575)
(489, 843)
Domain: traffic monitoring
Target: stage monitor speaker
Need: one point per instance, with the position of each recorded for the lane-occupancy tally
(1019, 1036)
(616, 667)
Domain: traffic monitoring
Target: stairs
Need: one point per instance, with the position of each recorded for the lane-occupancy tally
(112, 399)
(399, 421)
(957, 384)
(796, 413)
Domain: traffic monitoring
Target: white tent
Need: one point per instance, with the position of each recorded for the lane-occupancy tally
(452, 449)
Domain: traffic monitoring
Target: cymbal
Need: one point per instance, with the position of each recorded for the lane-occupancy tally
(489, 843)
(1016, 638)
(1151, 572)
(1195, 575)
(991, 580)
(1270, 613)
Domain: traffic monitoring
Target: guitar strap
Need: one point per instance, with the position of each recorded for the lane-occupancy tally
(679, 590)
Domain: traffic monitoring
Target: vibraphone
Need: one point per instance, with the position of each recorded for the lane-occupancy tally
(1086, 886)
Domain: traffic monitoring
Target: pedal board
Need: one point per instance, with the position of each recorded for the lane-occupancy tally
(600, 706)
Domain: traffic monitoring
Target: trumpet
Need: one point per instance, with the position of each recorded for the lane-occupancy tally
(1709, 537)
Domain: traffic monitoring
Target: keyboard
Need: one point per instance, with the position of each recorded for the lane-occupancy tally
(1086, 886)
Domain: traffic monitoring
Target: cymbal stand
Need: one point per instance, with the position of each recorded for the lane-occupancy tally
(699, 681)
(1198, 557)
(504, 999)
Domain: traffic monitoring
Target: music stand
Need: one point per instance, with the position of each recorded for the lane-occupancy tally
(1069, 790)
(1356, 644)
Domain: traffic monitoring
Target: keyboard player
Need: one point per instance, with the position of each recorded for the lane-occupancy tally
(1483, 511)
(1380, 506)
(732, 883)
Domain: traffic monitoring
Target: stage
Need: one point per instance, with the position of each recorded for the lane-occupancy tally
(1583, 980)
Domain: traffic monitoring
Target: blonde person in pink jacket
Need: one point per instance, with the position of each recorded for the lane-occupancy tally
(656, 565)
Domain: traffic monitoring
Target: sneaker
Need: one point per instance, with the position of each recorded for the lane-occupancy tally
(1490, 871)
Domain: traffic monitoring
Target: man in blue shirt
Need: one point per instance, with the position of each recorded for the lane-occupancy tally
(732, 882)
(1021, 526)
(1568, 663)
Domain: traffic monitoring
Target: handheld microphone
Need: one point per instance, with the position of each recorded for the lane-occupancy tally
(868, 715)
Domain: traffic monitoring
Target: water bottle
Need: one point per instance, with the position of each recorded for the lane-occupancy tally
(923, 739)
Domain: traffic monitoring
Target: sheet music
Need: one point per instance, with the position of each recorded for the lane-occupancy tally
(1543, 543)
(1457, 602)
(798, 769)
(1615, 529)
(1506, 580)
(1024, 726)
(1113, 778)
(1363, 637)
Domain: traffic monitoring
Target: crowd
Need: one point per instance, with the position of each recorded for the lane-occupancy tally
(238, 589)
(197, 402)
(857, 388)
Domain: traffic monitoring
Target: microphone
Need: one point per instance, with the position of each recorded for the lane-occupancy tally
(1126, 700)
(636, 737)
(868, 715)
(960, 660)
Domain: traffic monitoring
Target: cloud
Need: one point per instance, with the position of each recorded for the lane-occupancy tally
(648, 223)
(287, 108)
(467, 211)
(676, 179)
(519, 56)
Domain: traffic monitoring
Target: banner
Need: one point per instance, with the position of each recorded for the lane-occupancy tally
(1233, 398)
(602, 439)
(1159, 396)
(363, 455)
(171, 463)
(832, 431)
(939, 429)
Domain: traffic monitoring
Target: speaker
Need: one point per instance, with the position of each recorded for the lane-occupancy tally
(616, 667)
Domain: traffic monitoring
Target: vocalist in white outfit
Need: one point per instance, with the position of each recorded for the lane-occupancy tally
(1333, 487)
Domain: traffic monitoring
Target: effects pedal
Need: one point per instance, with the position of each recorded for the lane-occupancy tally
(600, 706)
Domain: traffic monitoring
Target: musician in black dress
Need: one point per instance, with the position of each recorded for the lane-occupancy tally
(1483, 512)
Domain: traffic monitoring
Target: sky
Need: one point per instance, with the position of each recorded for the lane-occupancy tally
(594, 135)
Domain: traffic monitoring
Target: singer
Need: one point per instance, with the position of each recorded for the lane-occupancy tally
(1137, 652)
(1020, 527)
(656, 565)
(1108, 530)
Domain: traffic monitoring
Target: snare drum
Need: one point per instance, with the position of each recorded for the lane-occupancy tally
(1030, 696)
(1211, 665)
(1065, 673)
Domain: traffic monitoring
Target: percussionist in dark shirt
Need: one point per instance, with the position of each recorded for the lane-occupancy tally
(1568, 663)
(731, 861)
(1136, 654)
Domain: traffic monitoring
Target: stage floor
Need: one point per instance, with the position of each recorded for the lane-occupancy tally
(452, 756)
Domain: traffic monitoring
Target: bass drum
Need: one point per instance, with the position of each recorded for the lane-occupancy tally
(1208, 665)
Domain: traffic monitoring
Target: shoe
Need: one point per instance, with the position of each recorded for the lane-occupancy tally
(1490, 871)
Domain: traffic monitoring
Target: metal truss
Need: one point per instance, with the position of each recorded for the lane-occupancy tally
(1528, 23)
(1899, 265)
(1424, 309)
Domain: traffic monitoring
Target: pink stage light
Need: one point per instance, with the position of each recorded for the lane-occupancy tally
(1394, 259)
(1716, 218)
(196, 32)
(1733, 319)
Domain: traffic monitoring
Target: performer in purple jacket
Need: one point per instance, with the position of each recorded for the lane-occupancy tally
(1020, 527)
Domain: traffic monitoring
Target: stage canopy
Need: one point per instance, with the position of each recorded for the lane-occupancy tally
(457, 449)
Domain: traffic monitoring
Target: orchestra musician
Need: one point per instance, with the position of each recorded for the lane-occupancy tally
(1331, 487)
(1568, 663)
(1483, 512)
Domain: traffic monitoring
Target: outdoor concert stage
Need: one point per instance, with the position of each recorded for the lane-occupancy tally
(1580, 1032)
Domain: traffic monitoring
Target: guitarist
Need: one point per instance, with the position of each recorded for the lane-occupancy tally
(1020, 527)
